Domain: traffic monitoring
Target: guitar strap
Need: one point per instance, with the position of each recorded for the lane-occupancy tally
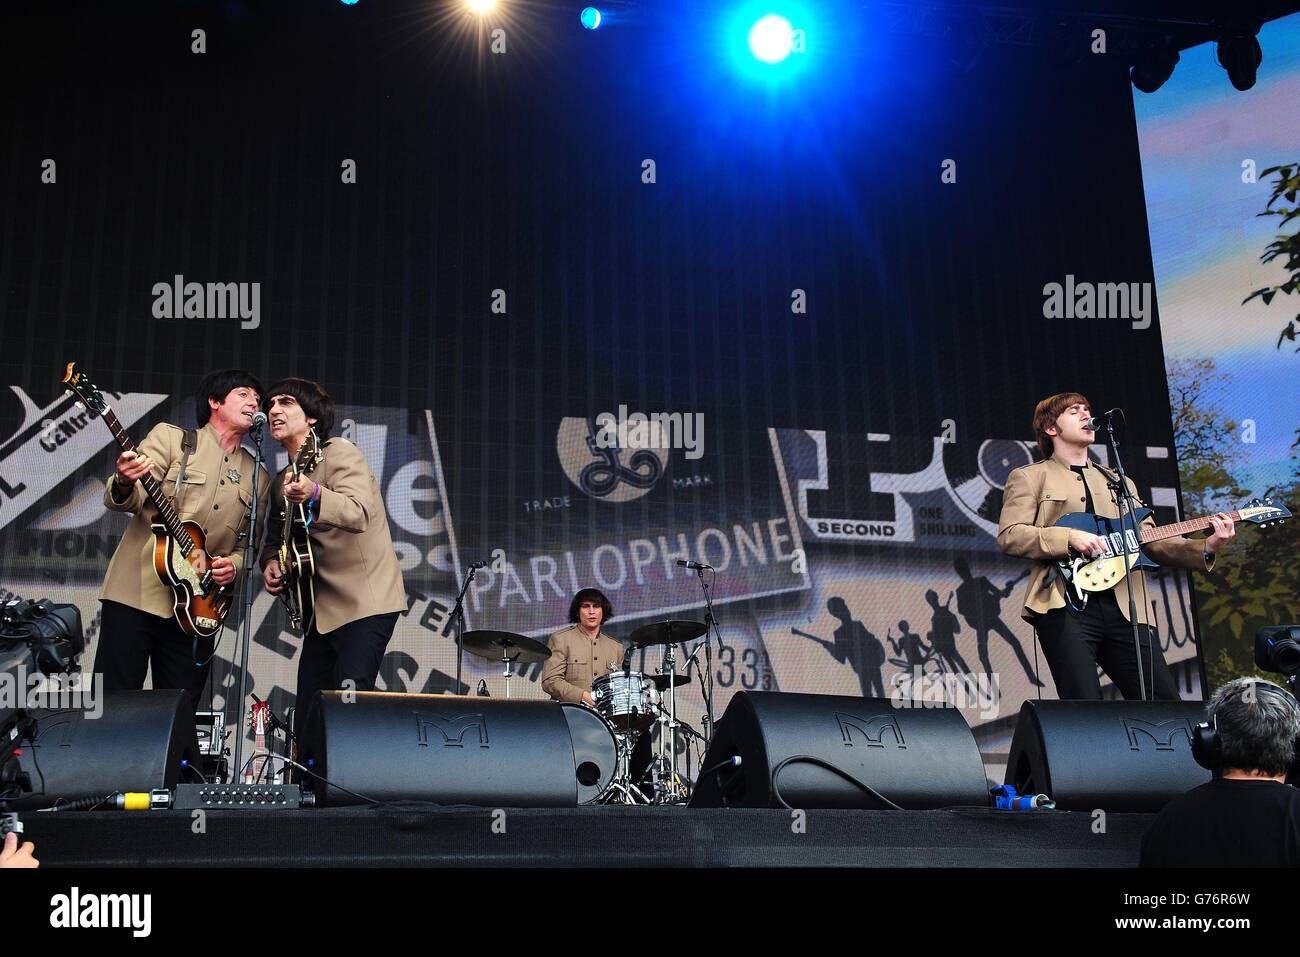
(189, 442)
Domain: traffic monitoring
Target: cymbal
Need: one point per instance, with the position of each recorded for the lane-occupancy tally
(661, 681)
(668, 632)
(495, 645)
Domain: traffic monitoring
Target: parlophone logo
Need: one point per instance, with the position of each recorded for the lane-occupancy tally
(608, 471)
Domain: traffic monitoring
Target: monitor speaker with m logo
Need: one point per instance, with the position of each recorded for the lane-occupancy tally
(1114, 755)
(452, 750)
(914, 757)
(136, 744)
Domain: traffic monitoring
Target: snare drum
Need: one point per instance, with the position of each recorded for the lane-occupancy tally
(626, 699)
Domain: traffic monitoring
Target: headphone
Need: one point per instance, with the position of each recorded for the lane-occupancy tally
(1207, 746)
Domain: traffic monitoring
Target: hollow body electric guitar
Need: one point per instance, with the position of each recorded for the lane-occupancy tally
(180, 556)
(295, 555)
(1098, 574)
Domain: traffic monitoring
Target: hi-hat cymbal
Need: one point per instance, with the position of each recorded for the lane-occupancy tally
(495, 645)
(668, 632)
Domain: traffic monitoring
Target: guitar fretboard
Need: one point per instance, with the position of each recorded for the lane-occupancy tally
(166, 511)
(1182, 528)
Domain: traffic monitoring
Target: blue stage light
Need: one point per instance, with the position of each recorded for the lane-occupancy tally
(348, 3)
(771, 38)
(591, 18)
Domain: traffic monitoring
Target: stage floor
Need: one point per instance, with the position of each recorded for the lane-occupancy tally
(416, 835)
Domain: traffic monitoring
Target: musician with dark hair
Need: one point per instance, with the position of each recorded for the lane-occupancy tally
(582, 652)
(1077, 640)
(356, 580)
(138, 629)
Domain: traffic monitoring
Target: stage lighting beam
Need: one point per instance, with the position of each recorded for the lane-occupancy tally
(771, 38)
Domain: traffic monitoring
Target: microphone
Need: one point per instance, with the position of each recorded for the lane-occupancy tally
(1097, 420)
(732, 762)
(697, 566)
(259, 420)
(479, 564)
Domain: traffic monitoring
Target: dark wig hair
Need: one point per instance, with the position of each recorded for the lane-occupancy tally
(590, 594)
(315, 402)
(218, 385)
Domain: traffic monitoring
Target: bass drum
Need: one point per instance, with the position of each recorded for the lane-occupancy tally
(595, 751)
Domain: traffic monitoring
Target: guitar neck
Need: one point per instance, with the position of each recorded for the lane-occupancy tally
(1161, 532)
(166, 511)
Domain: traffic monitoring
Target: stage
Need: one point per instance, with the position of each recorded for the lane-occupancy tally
(416, 835)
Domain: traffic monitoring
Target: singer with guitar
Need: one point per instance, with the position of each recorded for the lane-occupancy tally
(356, 582)
(1080, 631)
(204, 476)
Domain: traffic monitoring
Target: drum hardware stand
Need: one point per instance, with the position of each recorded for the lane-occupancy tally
(621, 789)
(707, 685)
(669, 794)
(458, 616)
(507, 661)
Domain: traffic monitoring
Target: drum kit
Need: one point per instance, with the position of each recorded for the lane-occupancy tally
(637, 712)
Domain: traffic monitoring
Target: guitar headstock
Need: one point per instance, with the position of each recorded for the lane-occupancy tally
(257, 716)
(79, 384)
(309, 455)
(1264, 512)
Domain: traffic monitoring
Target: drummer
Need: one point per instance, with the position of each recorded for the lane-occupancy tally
(582, 653)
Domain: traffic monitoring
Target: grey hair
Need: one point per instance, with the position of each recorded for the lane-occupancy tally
(1258, 728)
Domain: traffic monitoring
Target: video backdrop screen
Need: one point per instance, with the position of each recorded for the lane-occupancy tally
(841, 286)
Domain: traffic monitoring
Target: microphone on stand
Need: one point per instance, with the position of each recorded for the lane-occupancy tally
(479, 564)
(1097, 420)
(695, 566)
(255, 429)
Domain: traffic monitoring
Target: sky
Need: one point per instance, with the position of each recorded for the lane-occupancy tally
(1195, 134)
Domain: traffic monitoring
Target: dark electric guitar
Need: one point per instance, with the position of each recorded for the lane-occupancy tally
(296, 562)
(180, 556)
(1107, 570)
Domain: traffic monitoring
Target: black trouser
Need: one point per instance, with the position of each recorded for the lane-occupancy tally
(132, 642)
(350, 653)
(1075, 643)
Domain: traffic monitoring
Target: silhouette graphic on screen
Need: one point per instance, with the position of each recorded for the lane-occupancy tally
(980, 603)
(943, 633)
(910, 646)
(856, 646)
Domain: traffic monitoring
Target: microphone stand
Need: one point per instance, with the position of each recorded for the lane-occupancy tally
(458, 616)
(710, 623)
(1113, 445)
(246, 626)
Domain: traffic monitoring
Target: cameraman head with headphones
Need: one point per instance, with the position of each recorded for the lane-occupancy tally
(1248, 816)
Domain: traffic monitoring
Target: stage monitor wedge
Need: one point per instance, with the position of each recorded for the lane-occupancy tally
(916, 758)
(133, 741)
(1112, 755)
(444, 749)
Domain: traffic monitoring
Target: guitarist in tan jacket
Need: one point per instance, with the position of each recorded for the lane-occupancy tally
(1076, 642)
(138, 630)
(358, 584)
